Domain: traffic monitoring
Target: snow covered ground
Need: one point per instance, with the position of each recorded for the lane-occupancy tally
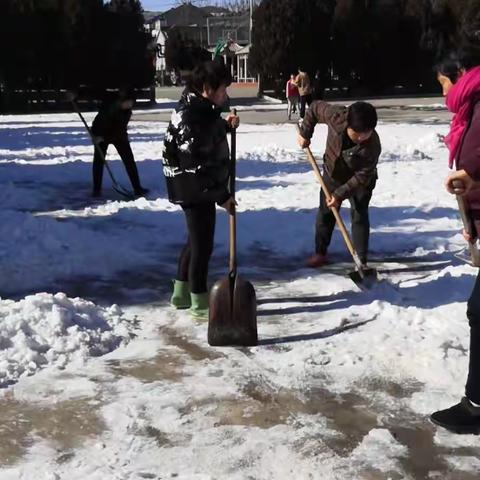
(102, 380)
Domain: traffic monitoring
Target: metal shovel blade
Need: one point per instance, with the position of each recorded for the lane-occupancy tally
(365, 280)
(232, 313)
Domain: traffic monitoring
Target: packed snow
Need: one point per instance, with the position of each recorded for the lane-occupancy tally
(103, 380)
(45, 329)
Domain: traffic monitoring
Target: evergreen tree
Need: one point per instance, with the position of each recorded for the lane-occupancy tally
(379, 47)
(288, 34)
(173, 49)
(182, 53)
(66, 43)
(33, 42)
(128, 59)
(90, 44)
(439, 27)
(449, 24)
(469, 31)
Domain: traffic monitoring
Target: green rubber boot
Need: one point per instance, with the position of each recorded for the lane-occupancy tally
(199, 308)
(181, 295)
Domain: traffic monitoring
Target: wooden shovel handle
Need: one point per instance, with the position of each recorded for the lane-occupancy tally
(474, 252)
(336, 213)
(232, 213)
(233, 242)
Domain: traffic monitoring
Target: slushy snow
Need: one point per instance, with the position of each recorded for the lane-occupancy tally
(342, 381)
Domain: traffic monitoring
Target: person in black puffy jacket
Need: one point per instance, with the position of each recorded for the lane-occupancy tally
(196, 169)
(110, 127)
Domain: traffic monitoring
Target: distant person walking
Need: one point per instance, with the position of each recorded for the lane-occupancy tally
(302, 81)
(292, 94)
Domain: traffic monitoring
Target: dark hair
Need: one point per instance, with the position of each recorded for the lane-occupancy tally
(362, 117)
(452, 63)
(126, 93)
(212, 73)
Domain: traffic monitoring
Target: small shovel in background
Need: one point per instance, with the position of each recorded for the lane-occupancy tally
(232, 318)
(363, 277)
(474, 252)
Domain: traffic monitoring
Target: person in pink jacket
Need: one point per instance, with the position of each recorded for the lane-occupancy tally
(292, 94)
(459, 76)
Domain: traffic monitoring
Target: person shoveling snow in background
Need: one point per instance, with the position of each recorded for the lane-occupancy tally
(302, 81)
(459, 76)
(350, 170)
(196, 168)
(110, 127)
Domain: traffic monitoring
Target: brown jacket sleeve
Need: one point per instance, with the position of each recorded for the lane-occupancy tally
(364, 175)
(319, 112)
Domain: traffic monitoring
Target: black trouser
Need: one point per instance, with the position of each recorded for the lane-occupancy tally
(193, 261)
(325, 222)
(304, 101)
(472, 390)
(124, 150)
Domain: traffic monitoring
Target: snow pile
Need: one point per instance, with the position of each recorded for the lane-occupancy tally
(55, 330)
(272, 153)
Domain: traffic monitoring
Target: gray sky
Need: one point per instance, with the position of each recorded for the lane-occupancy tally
(157, 5)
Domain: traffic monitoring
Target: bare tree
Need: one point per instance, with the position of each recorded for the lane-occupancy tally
(235, 6)
(239, 6)
(197, 3)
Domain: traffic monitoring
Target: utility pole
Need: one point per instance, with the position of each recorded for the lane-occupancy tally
(251, 20)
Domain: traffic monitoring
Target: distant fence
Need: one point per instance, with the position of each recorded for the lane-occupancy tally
(38, 101)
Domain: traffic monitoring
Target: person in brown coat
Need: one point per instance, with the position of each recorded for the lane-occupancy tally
(302, 81)
(350, 170)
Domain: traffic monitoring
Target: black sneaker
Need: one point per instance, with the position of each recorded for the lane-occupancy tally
(461, 418)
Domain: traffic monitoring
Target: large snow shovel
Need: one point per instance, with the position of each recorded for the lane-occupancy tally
(474, 252)
(232, 304)
(363, 277)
